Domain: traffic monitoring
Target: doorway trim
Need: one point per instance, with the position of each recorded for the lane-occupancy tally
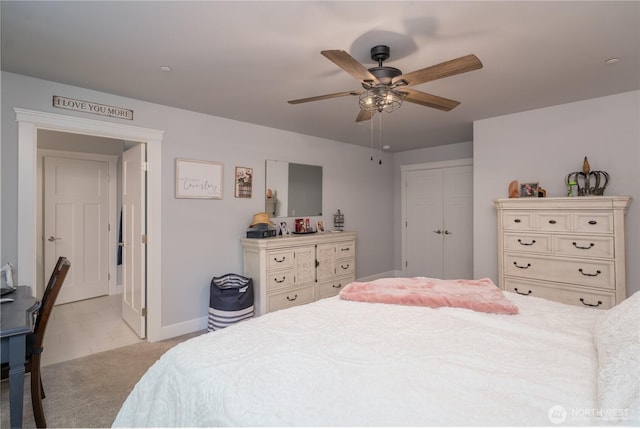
(29, 121)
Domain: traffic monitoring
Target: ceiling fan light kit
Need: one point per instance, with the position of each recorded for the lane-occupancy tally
(385, 88)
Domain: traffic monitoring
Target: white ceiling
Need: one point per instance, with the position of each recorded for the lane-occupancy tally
(244, 60)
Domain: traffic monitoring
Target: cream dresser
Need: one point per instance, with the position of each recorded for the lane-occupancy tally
(570, 250)
(298, 269)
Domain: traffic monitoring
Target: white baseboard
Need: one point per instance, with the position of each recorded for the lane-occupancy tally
(393, 273)
(182, 328)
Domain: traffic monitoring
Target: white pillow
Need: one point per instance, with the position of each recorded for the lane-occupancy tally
(617, 340)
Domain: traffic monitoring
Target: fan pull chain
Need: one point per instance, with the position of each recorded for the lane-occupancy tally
(371, 139)
(380, 137)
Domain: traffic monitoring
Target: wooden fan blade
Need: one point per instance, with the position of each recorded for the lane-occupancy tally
(347, 63)
(324, 97)
(364, 115)
(428, 100)
(446, 69)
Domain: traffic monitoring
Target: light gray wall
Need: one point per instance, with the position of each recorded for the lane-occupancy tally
(419, 156)
(544, 146)
(200, 238)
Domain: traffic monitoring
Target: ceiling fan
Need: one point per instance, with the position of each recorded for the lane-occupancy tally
(386, 87)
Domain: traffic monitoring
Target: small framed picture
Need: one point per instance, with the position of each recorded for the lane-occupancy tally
(320, 225)
(283, 228)
(244, 182)
(529, 189)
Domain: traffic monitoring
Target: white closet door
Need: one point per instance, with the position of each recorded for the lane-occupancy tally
(424, 220)
(439, 222)
(458, 223)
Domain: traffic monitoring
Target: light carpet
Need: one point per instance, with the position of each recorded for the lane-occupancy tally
(88, 392)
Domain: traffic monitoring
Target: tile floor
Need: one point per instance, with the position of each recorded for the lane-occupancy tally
(86, 327)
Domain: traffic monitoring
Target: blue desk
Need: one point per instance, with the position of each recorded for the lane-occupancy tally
(16, 323)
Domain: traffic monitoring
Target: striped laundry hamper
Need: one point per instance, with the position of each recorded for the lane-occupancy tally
(230, 301)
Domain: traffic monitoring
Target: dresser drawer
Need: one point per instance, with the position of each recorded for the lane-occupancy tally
(280, 259)
(522, 242)
(345, 267)
(345, 250)
(560, 293)
(590, 247)
(593, 222)
(290, 298)
(597, 274)
(280, 279)
(514, 220)
(553, 221)
(332, 288)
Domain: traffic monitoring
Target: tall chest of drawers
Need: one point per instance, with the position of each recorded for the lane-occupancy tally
(298, 269)
(570, 250)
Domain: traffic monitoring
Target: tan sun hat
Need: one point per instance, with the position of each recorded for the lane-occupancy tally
(261, 217)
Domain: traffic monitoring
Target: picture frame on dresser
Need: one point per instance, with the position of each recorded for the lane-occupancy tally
(528, 190)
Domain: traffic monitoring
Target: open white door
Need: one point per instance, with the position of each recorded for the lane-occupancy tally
(134, 260)
(76, 224)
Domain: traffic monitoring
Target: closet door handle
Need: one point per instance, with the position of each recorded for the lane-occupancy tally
(52, 238)
(447, 232)
(438, 231)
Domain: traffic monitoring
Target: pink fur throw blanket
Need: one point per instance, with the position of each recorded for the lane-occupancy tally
(479, 295)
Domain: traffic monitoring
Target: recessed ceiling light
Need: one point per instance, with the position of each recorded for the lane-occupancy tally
(165, 68)
(612, 60)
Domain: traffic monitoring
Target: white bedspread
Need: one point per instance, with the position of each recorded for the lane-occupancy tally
(344, 363)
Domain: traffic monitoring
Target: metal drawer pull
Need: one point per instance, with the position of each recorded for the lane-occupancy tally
(591, 305)
(343, 267)
(345, 249)
(583, 247)
(526, 244)
(588, 274)
(337, 287)
(292, 299)
(521, 293)
(517, 220)
(593, 222)
(280, 281)
(522, 267)
(279, 260)
(552, 222)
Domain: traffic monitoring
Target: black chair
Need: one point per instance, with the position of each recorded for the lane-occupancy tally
(35, 341)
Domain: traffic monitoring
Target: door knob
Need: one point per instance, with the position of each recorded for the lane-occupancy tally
(438, 231)
(52, 238)
(447, 232)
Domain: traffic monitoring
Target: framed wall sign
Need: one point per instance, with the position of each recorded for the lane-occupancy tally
(198, 179)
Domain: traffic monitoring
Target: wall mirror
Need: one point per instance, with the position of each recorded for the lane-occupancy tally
(293, 189)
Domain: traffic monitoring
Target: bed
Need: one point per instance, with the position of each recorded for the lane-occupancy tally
(337, 362)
